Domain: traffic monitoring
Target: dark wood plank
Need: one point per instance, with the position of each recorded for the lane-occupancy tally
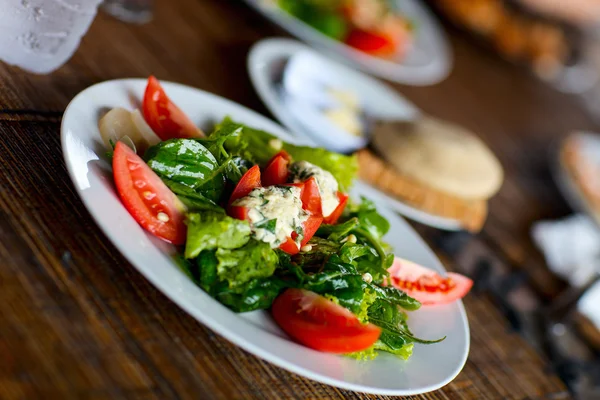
(79, 321)
(101, 330)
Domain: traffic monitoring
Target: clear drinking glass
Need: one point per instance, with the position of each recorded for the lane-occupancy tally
(133, 11)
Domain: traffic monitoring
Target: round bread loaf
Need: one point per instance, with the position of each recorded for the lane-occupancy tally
(442, 156)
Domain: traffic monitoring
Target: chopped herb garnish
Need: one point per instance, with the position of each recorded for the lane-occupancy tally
(269, 225)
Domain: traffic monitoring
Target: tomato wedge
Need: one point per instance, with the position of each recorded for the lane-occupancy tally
(276, 172)
(321, 324)
(311, 226)
(146, 197)
(337, 213)
(310, 196)
(164, 117)
(372, 43)
(426, 285)
(249, 181)
(289, 246)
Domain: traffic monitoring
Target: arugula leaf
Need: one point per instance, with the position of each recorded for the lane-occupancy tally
(369, 226)
(188, 163)
(350, 252)
(239, 266)
(339, 231)
(211, 230)
(369, 219)
(342, 281)
(319, 253)
(395, 335)
(396, 297)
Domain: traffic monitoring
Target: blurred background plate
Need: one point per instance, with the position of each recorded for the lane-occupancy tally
(429, 60)
(570, 189)
(266, 63)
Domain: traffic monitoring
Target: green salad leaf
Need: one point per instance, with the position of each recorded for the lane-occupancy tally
(211, 230)
(187, 163)
(254, 294)
(347, 262)
(253, 260)
(257, 146)
(257, 294)
(192, 199)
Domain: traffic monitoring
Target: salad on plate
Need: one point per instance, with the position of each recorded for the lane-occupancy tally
(371, 26)
(265, 224)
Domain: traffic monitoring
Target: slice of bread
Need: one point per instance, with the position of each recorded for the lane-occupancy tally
(378, 173)
(440, 155)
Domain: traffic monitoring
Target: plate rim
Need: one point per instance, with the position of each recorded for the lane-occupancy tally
(212, 323)
(564, 181)
(255, 59)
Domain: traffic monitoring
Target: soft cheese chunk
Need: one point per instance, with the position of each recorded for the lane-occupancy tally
(274, 213)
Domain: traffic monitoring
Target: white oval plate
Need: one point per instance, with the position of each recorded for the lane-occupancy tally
(428, 61)
(265, 64)
(565, 183)
(430, 368)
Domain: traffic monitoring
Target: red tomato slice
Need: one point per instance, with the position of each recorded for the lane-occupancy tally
(164, 117)
(146, 197)
(290, 247)
(426, 285)
(321, 324)
(311, 226)
(371, 42)
(311, 198)
(249, 181)
(337, 213)
(283, 154)
(276, 172)
(238, 212)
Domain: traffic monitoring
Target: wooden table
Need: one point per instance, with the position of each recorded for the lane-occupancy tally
(77, 321)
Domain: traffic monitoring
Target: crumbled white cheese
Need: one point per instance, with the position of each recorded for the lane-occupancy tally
(281, 204)
(275, 144)
(306, 248)
(367, 277)
(328, 186)
(350, 239)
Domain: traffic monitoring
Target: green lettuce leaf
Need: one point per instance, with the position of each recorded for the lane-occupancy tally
(211, 230)
(239, 266)
(255, 294)
(256, 146)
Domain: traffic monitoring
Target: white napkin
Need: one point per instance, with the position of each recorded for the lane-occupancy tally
(589, 304)
(571, 247)
(572, 250)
